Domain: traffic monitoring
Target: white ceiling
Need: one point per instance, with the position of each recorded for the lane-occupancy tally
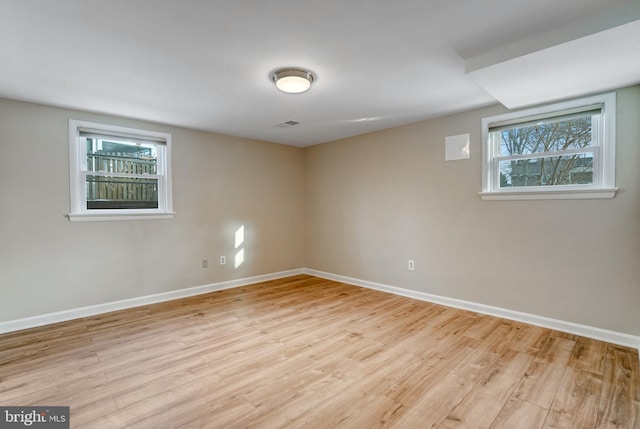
(206, 64)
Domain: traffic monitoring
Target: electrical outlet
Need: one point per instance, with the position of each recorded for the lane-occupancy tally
(411, 265)
(223, 260)
(205, 263)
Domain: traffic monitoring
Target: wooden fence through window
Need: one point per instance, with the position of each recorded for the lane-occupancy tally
(135, 191)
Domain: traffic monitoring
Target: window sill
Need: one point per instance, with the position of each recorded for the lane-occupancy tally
(101, 217)
(573, 194)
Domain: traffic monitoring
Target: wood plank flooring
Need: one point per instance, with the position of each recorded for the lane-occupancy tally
(304, 352)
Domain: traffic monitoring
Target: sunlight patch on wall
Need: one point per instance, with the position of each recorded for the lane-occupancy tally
(240, 236)
(239, 258)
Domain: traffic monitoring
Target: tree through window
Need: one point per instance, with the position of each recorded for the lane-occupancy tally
(554, 144)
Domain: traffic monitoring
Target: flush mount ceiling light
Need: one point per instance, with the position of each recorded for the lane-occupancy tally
(292, 80)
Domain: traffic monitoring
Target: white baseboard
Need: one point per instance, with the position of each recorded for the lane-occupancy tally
(545, 322)
(77, 313)
(559, 325)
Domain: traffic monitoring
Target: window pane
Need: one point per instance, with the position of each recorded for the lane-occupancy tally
(106, 192)
(546, 137)
(558, 170)
(121, 157)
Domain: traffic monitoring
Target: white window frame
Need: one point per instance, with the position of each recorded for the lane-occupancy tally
(604, 138)
(78, 171)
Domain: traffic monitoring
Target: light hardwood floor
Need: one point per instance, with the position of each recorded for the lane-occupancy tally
(304, 352)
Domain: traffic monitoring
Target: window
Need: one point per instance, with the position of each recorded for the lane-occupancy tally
(565, 150)
(118, 173)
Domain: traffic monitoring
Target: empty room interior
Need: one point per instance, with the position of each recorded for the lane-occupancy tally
(410, 214)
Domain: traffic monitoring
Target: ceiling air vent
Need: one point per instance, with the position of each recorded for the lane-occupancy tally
(288, 124)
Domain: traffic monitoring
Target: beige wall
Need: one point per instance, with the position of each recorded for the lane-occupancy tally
(377, 200)
(49, 264)
(359, 207)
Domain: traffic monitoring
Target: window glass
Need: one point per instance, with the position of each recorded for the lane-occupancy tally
(549, 171)
(546, 137)
(130, 161)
